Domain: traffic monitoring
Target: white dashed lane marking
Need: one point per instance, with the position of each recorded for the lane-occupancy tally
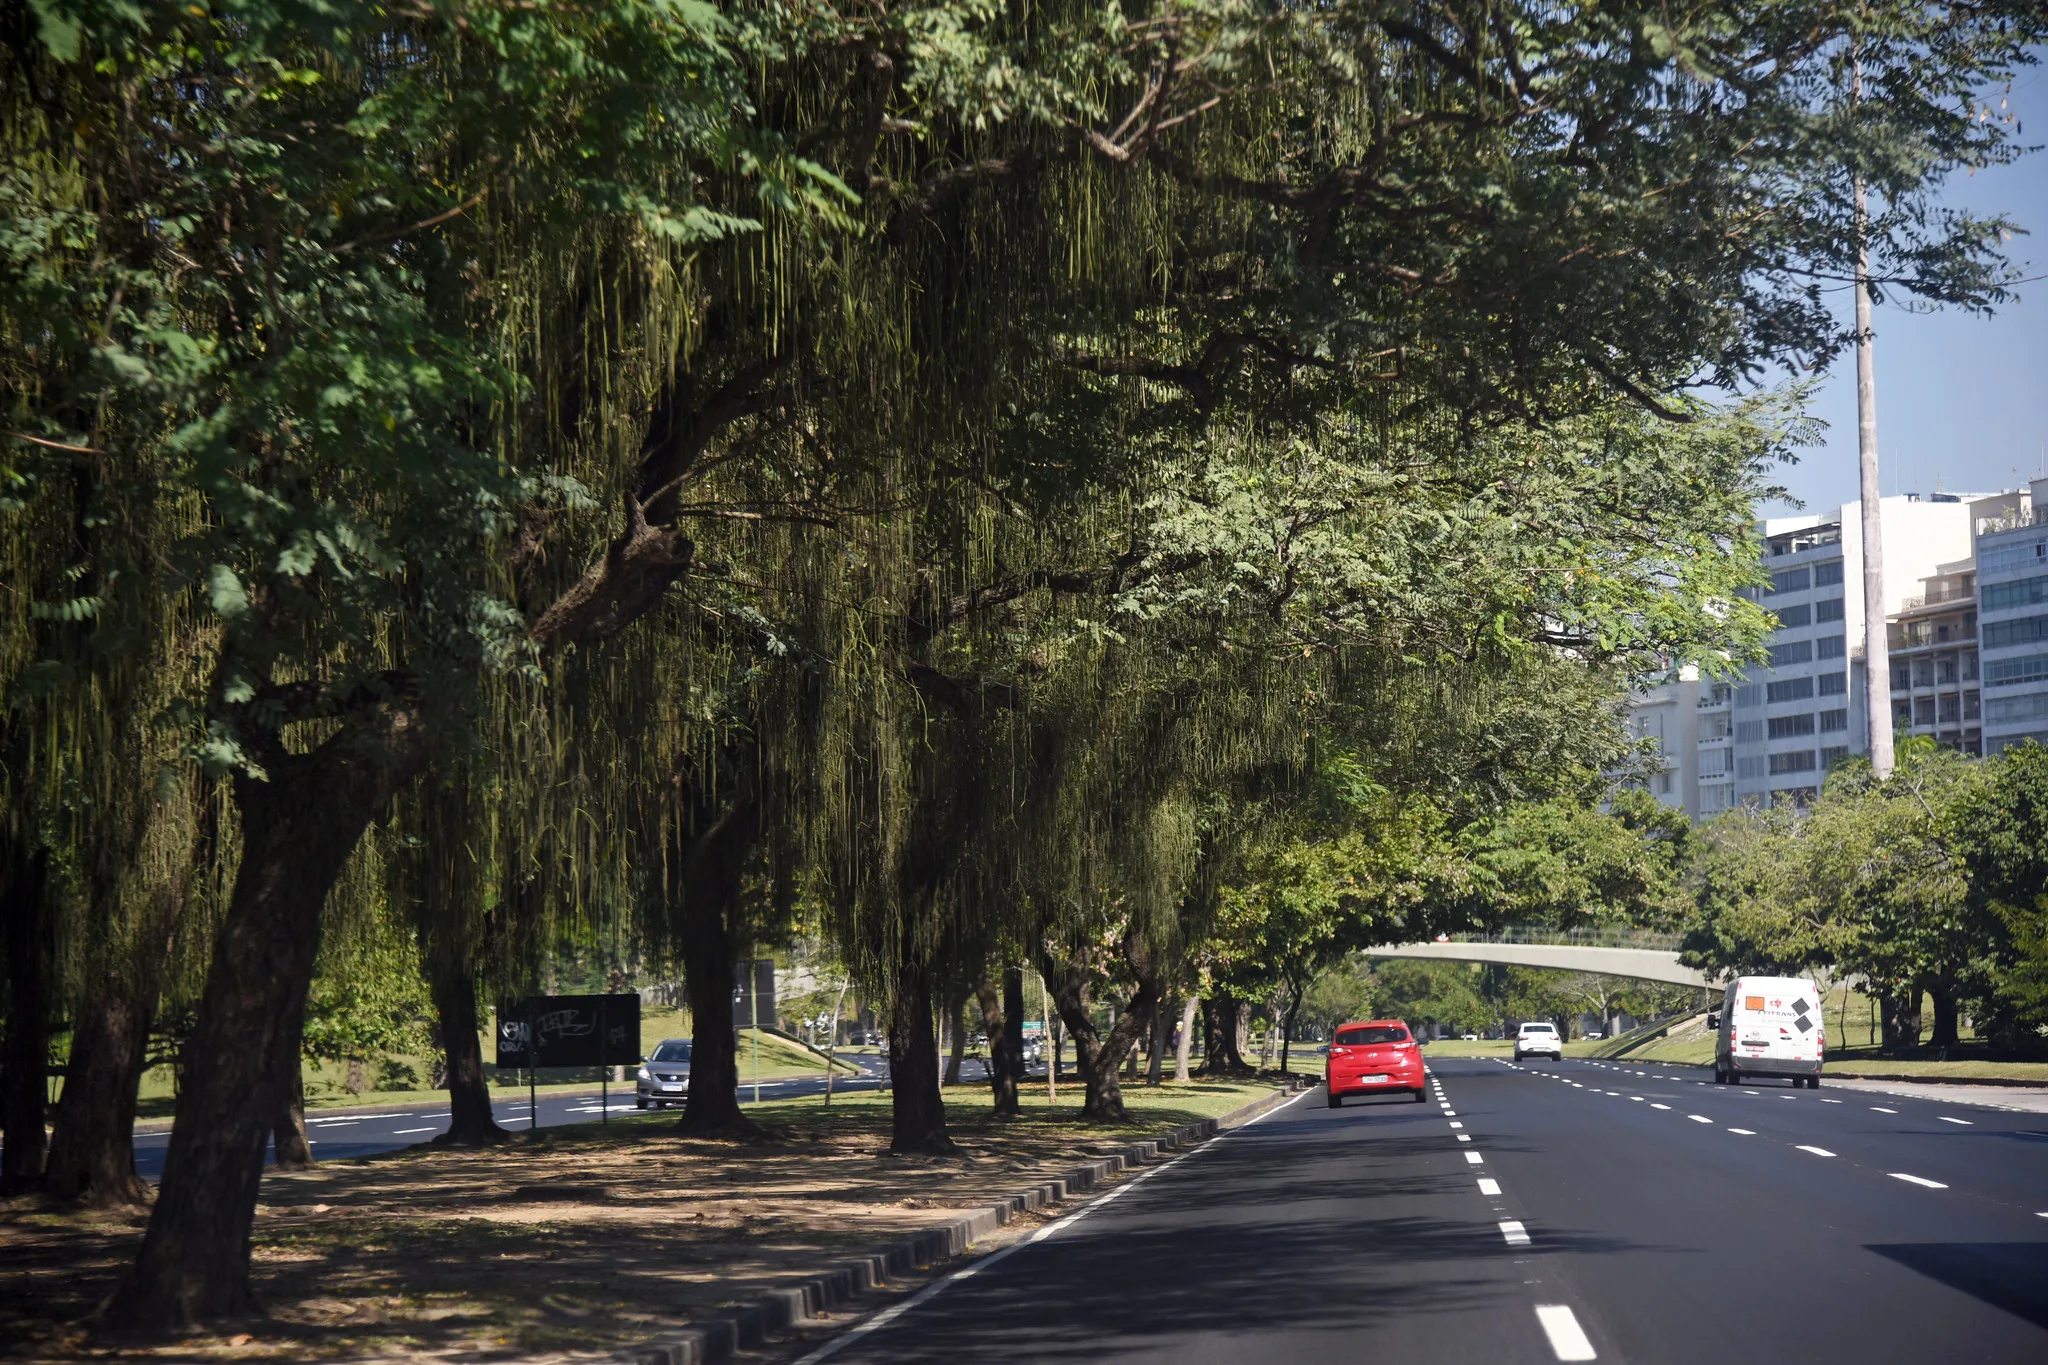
(1664, 1107)
(1517, 1235)
(1817, 1151)
(1490, 1188)
(1946, 1119)
(401, 1132)
(1567, 1339)
(1876, 1109)
(1918, 1180)
(1699, 1118)
(1746, 1132)
(1475, 1158)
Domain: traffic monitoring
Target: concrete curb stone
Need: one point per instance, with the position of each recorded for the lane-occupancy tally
(715, 1339)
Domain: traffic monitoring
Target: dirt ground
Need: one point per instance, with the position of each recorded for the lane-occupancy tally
(569, 1245)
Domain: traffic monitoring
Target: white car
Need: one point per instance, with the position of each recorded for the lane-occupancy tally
(1538, 1040)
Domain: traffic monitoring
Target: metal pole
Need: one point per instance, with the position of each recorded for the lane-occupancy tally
(604, 1069)
(1877, 672)
(1052, 1058)
(532, 1083)
(754, 1014)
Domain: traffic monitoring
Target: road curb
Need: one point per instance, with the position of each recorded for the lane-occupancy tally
(716, 1339)
(2008, 1082)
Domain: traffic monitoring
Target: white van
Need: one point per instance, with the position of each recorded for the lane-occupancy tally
(1770, 1026)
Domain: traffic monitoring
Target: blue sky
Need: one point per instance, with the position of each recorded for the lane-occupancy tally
(1962, 401)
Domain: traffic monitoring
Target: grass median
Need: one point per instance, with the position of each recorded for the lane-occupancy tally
(583, 1237)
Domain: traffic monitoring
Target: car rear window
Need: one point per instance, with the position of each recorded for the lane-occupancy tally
(1539, 1028)
(672, 1052)
(1365, 1037)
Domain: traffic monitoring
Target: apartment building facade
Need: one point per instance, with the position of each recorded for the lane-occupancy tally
(2012, 620)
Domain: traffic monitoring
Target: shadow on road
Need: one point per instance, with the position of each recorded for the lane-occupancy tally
(2008, 1275)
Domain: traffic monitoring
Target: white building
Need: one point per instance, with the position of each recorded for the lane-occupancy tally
(1773, 733)
(2012, 617)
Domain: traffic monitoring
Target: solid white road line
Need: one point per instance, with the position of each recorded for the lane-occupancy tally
(330, 1124)
(1567, 1338)
(1699, 1118)
(1517, 1235)
(1817, 1151)
(1492, 1187)
(1946, 1119)
(1475, 1158)
(1746, 1132)
(1875, 1109)
(1918, 1180)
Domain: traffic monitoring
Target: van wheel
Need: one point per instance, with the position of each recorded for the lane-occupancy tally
(1813, 1082)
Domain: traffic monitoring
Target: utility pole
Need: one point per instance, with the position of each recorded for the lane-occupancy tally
(1877, 672)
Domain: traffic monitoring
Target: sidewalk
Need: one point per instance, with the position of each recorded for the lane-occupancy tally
(585, 1242)
(2013, 1099)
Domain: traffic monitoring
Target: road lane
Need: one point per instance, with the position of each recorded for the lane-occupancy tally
(345, 1134)
(1596, 1212)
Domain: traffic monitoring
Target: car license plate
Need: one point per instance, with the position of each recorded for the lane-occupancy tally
(671, 1087)
(1374, 1080)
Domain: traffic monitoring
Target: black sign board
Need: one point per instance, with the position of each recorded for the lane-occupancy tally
(757, 993)
(573, 1030)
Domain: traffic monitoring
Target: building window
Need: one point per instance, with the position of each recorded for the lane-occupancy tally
(1830, 757)
(1800, 615)
(2011, 710)
(2006, 672)
(1828, 609)
(1830, 647)
(1749, 732)
(1749, 769)
(1923, 711)
(1902, 713)
(1785, 727)
(1750, 695)
(2025, 631)
(1834, 720)
(2031, 554)
(1971, 706)
(1790, 689)
(1714, 763)
(1834, 684)
(1945, 672)
(1902, 677)
(1923, 672)
(1798, 761)
(1826, 575)
(1969, 665)
(2024, 592)
(1716, 798)
(1792, 652)
(1951, 709)
(1790, 580)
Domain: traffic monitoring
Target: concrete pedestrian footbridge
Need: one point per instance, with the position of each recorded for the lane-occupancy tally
(1640, 954)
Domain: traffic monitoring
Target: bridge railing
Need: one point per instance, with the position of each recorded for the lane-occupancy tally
(1601, 936)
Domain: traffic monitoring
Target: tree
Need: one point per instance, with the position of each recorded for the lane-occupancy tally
(2002, 834)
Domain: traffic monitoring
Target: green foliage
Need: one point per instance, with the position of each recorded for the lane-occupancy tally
(368, 1000)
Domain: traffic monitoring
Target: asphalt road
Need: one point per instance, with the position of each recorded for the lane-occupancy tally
(342, 1134)
(1540, 1212)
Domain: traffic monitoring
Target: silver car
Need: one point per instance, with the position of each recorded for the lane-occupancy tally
(664, 1078)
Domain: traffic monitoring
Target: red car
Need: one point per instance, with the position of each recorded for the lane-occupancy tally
(1373, 1058)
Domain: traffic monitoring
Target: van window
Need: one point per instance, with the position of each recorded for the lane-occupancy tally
(1365, 1037)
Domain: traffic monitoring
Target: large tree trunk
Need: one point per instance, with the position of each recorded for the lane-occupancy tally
(92, 1149)
(1287, 1036)
(298, 829)
(291, 1150)
(1186, 1040)
(1225, 1035)
(917, 1110)
(470, 1121)
(27, 921)
(1162, 1039)
(713, 870)
(1098, 1056)
(1003, 1016)
(1945, 1030)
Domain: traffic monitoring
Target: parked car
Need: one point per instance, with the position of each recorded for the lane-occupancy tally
(1538, 1040)
(1374, 1057)
(1594, 1035)
(1468, 1037)
(664, 1078)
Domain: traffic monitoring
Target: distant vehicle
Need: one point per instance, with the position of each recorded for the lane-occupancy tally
(1372, 1058)
(664, 1078)
(1594, 1035)
(1538, 1040)
(1468, 1037)
(1770, 1026)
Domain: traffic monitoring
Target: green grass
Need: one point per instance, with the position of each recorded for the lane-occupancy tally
(1457, 1047)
